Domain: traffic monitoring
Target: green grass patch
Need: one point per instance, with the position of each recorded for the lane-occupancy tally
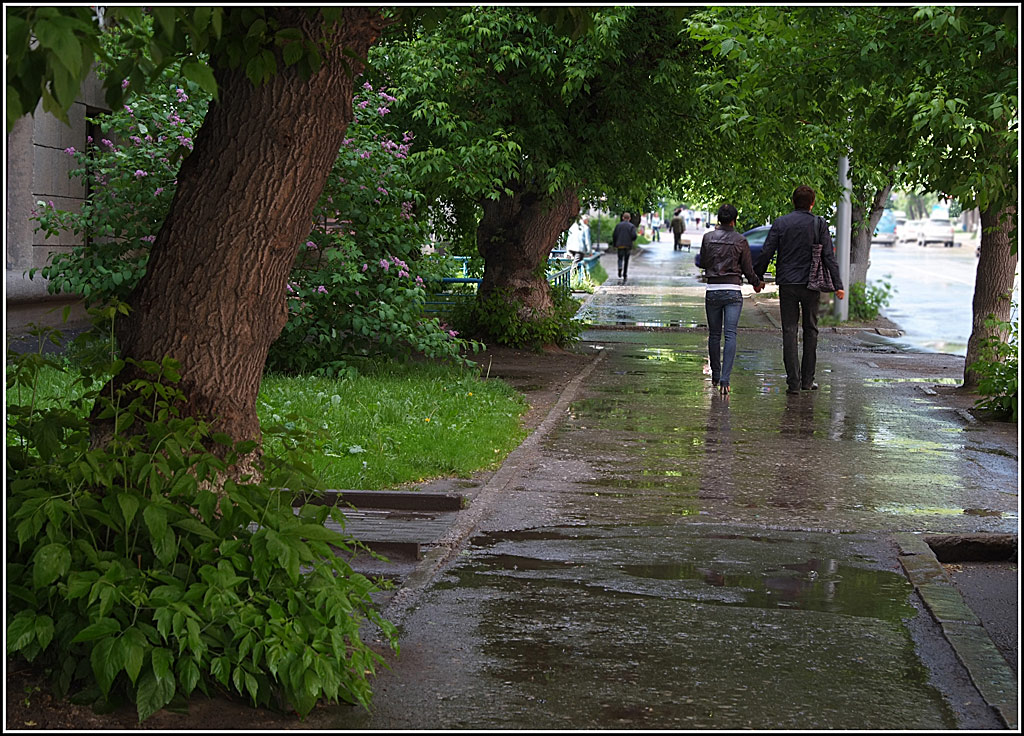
(398, 424)
(392, 426)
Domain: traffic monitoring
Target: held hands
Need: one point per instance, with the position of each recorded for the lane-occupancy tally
(760, 285)
(840, 293)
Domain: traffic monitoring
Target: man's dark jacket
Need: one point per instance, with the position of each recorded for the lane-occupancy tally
(624, 234)
(725, 257)
(792, 236)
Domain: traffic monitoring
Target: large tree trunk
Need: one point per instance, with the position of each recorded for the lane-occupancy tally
(860, 240)
(515, 236)
(993, 284)
(213, 297)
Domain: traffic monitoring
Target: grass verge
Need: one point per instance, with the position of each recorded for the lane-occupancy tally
(394, 425)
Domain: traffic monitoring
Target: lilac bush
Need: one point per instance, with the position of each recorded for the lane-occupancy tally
(129, 174)
(358, 284)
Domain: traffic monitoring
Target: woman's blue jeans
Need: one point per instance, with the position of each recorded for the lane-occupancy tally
(723, 307)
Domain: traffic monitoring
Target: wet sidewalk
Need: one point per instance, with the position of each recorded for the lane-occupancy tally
(658, 557)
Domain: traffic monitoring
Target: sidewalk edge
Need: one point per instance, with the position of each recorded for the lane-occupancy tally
(989, 672)
(447, 546)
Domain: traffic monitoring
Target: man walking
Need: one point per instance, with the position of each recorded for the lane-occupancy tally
(792, 236)
(678, 228)
(622, 240)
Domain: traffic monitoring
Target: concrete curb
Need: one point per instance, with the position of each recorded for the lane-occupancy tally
(468, 520)
(988, 670)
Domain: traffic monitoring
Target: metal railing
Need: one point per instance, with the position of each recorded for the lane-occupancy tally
(441, 302)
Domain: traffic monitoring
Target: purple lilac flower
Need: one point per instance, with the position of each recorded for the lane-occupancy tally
(88, 139)
(384, 264)
(182, 97)
(321, 289)
(158, 192)
(453, 333)
(139, 173)
(383, 111)
(107, 143)
(364, 154)
(148, 238)
(382, 190)
(124, 84)
(70, 151)
(368, 86)
(363, 105)
(365, 266)
(289, 288)
(310, 245)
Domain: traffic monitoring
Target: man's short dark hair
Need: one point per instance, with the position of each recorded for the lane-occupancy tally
(727, 214)
(803, 197)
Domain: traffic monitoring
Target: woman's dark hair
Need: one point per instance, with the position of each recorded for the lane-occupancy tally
(727, 214)
(803, 197)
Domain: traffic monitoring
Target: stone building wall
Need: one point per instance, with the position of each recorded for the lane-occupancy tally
(37, 170)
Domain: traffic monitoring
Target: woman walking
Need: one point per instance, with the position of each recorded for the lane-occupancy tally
(725, 258)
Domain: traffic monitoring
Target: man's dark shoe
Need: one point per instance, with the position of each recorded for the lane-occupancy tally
(812, 387)
(792, 390)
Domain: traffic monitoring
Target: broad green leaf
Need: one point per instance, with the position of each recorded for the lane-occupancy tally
(201, 73)
(51, 562)
(103, 627)
(152, 694)
(107, 660)
(21, 631)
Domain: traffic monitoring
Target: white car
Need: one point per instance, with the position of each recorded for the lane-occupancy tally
(909, 232)
(937, 230)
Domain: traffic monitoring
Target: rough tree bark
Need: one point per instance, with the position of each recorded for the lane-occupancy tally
(993, 284)
(515, 236)
(213, 296)
(860, 240)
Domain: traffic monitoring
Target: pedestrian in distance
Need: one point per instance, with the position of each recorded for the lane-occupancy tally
(790, 241)
(622, 240)
(656, 228)
(725, 259)
(678, 228)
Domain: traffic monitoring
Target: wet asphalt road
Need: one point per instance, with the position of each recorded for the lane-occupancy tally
(669, 559)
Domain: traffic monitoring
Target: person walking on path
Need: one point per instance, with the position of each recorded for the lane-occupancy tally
(656, 228)
(622, 240)
(725, 258)
(792, 237)
(678, 228)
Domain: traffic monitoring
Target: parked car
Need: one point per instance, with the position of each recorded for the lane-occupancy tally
(909, 233)
(755, 238)
(885, 231)
(937, 230)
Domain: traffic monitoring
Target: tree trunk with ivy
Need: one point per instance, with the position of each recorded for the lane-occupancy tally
(213, 297)
(993, 285)
(515, 236)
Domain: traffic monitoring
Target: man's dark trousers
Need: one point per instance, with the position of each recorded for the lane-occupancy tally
(799, 304)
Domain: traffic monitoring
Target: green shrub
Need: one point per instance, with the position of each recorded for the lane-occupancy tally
(500, 319)
(866, 302)
(129, 577)
(998, 366)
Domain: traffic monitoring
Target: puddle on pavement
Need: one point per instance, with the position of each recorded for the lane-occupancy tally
(945, 381)
(816, 585)
(907, 510)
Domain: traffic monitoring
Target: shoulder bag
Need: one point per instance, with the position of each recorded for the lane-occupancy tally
(819, 279)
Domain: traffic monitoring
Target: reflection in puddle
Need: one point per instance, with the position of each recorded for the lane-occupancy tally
(907, 510)
(816, 585)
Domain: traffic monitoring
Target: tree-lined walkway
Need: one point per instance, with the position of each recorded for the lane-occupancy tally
(670, 559)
